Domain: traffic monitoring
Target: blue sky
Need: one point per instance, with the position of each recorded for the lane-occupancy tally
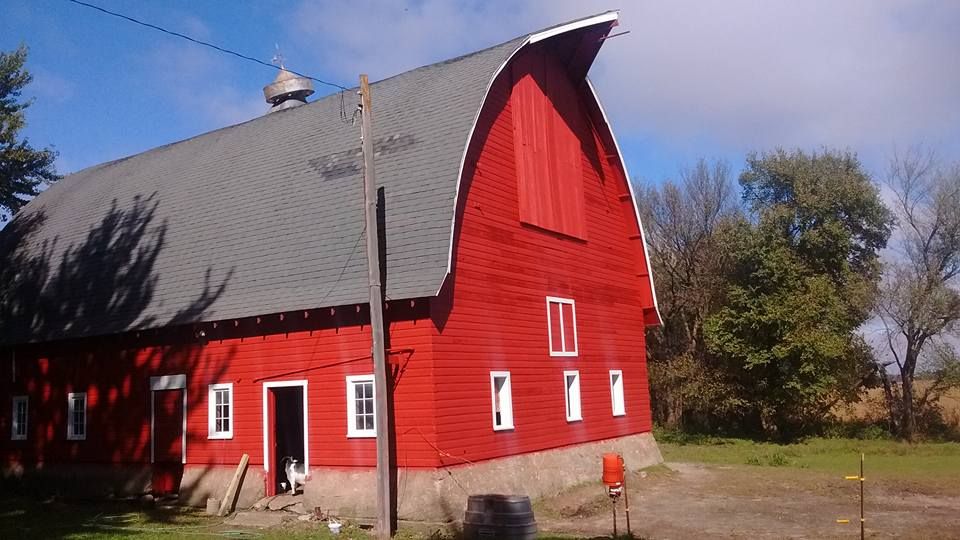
(711, 79)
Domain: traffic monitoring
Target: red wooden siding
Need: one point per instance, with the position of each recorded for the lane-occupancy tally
(536, 159)
(322, 349)
(546, 144)
(494, 315)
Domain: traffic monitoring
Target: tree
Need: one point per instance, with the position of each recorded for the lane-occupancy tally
(23, 169)
(804, 279)
(686, 225)
(919, 304)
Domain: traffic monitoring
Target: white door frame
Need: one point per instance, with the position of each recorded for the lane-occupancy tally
(266, 423)
(168, 382)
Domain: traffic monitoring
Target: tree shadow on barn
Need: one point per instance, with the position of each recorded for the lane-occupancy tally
(76, 318)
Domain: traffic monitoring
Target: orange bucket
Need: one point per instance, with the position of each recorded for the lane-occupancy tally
(612, 470)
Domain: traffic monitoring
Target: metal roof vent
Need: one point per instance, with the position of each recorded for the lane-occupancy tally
(287, 90)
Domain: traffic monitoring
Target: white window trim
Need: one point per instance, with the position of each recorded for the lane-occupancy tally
(506, 419)
(212, 432)
(13, 420)
(573, 409)
(619, 406)
(266, 423)
(573, 312)
(352, 431)
(71, 436)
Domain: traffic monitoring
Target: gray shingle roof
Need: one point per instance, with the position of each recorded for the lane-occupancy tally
(256, 218)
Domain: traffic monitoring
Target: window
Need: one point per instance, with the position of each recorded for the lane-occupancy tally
(76, 416)
(561, 326)
(616, 392)
(361, 404)
(220, 411)
(571, 382)
(18, 427)
(502, 400)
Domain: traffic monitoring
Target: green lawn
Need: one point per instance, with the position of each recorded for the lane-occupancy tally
(27, 518)
(884, 459)
(22, 517)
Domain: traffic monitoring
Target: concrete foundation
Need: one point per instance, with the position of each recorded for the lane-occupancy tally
(97, 481)
(441, 494)
(422, 494)
(202, 482)
(80, 481)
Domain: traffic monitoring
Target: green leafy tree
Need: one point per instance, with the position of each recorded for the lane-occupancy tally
(687, 222)
(804, 279)
(23, 169)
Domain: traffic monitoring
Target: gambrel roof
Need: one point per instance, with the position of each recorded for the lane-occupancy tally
(261, 217)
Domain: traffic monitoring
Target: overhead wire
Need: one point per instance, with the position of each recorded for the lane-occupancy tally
(201, 42)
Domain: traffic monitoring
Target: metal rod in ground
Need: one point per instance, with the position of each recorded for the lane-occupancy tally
(626, 500)
(613, 504)
(384, 521)
(861, 498)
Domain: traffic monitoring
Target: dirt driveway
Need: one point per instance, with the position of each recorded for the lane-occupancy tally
(685, 500)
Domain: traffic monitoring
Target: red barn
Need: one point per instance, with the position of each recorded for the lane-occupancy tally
(165, 313)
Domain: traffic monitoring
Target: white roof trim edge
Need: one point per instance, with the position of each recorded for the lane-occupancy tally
(563, 28)
(532, 38)
(633, 199)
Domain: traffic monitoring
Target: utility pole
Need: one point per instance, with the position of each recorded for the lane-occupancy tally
(384, 521)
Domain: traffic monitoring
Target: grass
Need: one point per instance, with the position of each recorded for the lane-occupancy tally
(884, 459)
(22, 517)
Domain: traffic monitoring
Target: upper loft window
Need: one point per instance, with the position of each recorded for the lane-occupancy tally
(562, 326)
(547, 126)
(76, 416)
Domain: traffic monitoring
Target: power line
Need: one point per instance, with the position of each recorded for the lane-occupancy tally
(200, 42)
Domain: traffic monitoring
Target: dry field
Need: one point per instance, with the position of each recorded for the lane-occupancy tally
(872, 409)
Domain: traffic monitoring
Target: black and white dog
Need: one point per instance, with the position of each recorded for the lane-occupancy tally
(296, 474)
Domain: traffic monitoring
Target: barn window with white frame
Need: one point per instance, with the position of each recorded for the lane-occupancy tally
(221, 411)
(361, 407)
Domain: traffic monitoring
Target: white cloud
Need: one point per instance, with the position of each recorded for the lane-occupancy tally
(197, 82)
(732, 76)
(49, 86)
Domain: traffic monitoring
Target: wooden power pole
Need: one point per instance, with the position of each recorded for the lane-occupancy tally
(384, 521)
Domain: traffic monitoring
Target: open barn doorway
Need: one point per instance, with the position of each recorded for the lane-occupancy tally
(285, 430)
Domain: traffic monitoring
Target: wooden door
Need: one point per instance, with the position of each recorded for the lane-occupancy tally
(167, 440)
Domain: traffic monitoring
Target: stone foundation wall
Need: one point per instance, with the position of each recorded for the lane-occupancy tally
(441, 494)
(97, 481)
(79, 480)
(202, 482)
(422, 494)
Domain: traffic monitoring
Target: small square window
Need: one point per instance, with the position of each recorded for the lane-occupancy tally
(561, 326)
(220, 411)
(502, 400)
(616, 392)
(571, 383)
(77, 416)
(361, 406)
(18, 425)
